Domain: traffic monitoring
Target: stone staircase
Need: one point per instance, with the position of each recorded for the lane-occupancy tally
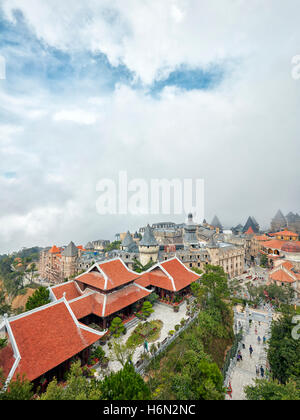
(132, 323)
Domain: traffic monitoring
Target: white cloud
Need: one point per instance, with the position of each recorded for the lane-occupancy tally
(77, 116)
(147, 39)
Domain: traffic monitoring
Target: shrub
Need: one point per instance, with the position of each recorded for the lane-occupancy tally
(116, 327)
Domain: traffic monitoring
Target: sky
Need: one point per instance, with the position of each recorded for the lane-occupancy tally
(185, 89)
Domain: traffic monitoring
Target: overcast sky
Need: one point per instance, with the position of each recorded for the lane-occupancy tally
(199, 89)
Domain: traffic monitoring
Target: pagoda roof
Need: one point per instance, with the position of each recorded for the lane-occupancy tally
(170, 275)
(108, 275)
(44, 338)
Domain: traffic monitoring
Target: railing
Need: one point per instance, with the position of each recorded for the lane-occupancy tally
(231, 357)
(165, 343)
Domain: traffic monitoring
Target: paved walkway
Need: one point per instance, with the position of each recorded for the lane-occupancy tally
(245, 371)
(161, 312)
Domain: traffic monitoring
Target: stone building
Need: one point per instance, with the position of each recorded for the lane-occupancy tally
(57, 264)
(148, 247)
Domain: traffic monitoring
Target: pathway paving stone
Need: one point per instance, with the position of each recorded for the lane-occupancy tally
(245, 371)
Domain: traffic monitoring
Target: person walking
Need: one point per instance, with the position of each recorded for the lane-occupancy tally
(257, 370)
(250, 350)
(262, 371)
(258, 339)
(264, 339)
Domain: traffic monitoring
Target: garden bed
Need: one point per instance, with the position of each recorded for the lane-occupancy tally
(149, 331)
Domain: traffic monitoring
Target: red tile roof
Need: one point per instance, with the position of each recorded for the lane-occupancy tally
(123, 298)
(70, 289)
(48, 337)
(274, 244)
(250, 231)
(54, 250)
(288, 265)
(87, 305)
(282, 276)
(112, 302)
(285, 233)
(115, 274)
(182, 276)
(7, 360)
(177, 279)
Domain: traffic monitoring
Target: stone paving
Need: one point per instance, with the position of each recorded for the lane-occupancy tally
(245, 371)
(161, 312)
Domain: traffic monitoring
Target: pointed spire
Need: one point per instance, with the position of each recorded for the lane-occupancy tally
(216, 223)
(70, 251)
(127, 241)
(212, 243)
(148, 238)
(279, 217)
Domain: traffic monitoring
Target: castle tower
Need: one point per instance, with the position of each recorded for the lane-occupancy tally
(148, 247)
(217, 224)
(190, 229)
(69, 261)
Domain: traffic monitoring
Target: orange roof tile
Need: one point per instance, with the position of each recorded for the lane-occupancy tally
(111, 303)
(274, 244)
(123, 298)
(115, 274)
(46, 338)
(285, 233)
(181, 277)
(250, 231)
(288, 265)
(7, 359)
(282, 276)
(70, 289)
(87, 305)
(54, 250)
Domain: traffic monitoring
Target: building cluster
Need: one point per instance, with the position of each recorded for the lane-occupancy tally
(196, 245)
(42, 343)
(91, 285)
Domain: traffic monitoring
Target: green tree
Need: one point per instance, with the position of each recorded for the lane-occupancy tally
(39, 298)
(284, 350)
(77, 387)
(264, 260)
(153, 298)
(117, 327)
(265, 390)
(18, 389)
(138, 267)
(113, 246)
(5, 308)
(125, 385)
(210, 382)
(121, 352)
(215, 284)
(147, 309)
